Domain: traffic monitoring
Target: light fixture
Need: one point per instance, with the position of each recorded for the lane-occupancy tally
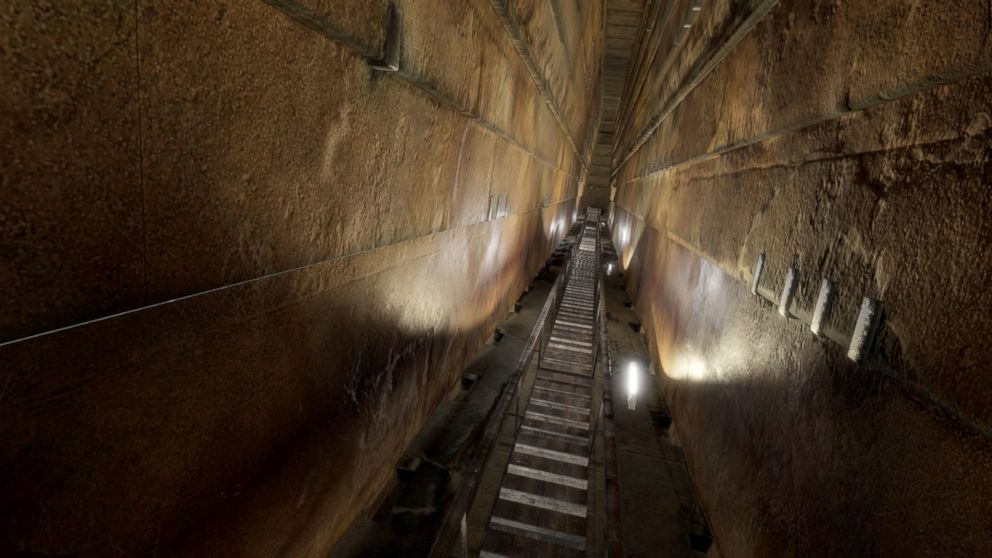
(609, 268)
(633, 384)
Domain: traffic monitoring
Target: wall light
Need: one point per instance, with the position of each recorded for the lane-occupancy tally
(609, 268)
(633, 384)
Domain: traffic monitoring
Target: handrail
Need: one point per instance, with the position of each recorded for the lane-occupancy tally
(614, 545)
(599, 331)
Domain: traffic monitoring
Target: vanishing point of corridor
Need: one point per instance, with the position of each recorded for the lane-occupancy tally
(495, 278)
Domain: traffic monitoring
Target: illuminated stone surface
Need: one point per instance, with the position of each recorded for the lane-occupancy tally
(240, 268)
(826, 139)
(321, 226)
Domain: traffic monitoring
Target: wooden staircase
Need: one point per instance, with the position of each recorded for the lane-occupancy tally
(543, 503)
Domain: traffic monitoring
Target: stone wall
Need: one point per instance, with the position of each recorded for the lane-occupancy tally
(851, 140)
(240, 267)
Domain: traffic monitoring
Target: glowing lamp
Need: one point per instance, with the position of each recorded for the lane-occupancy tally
(633, 384)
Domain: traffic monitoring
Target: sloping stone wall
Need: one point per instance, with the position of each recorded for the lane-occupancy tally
(852, 141)
(240, 267)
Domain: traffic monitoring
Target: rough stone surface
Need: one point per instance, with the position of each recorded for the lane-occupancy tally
(70, 190)
(285, 256)
(240, 267)
(850, 139)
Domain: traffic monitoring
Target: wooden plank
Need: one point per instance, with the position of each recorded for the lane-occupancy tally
(549, 465)
(557, 421)
(543, 502)
(568, 540)
(512, 545)
(554, 403)
(577, 429)
(561, 378)
(511, 538)
(538, 428)
(569, 392)
(539, 517)
(554, 478)
(534, 487)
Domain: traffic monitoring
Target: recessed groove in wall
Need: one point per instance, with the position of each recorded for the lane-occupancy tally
(645, 26)
(485, 29)
(694, 78)
(666, 67)
(804, 317)
(371, 249)
(881, 98)
(630, 98)
(316, 22)
(428, 88)
(559, 25)
(512, 28)
(818, 157)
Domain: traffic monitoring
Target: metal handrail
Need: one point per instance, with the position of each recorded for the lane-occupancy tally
(599, 329)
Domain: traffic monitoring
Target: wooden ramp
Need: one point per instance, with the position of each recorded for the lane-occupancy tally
(542, 508)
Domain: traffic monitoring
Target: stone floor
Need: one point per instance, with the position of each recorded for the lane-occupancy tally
(658, 508)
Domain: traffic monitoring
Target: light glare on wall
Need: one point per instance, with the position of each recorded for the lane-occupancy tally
(695, 368)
